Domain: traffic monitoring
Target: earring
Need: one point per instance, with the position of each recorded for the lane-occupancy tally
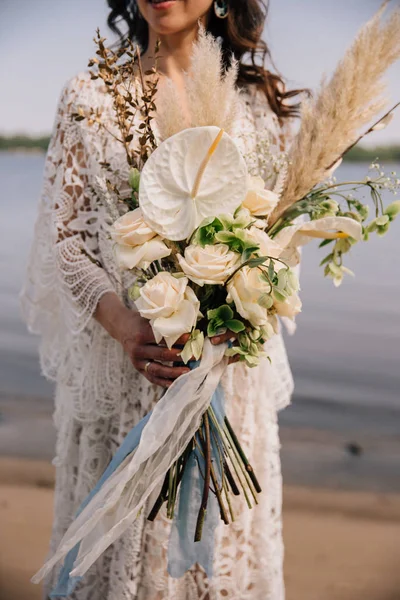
(221, 9)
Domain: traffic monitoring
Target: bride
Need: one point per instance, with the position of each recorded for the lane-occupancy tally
(102, 354)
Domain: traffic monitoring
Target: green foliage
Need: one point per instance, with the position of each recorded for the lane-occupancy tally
(207, 230)
(193, 347)
(134, 179)
(221, 319)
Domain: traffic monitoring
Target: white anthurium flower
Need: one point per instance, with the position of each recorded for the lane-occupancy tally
(170, 305)
(137, 245)
(212, 264)
(259, 201)
(189, 177)
(292, 237)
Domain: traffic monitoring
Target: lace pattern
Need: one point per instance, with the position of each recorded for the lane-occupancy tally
(100, 396)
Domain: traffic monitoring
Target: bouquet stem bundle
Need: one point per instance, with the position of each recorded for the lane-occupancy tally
(226, 471)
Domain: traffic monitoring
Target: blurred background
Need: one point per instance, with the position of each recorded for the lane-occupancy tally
(341, 436)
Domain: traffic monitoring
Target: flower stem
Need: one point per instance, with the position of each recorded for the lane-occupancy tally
(207, 475)
(244, 458)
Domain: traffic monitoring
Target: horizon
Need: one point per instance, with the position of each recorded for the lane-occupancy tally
(292, 32)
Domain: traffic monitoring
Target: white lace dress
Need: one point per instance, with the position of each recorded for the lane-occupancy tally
(100, 396)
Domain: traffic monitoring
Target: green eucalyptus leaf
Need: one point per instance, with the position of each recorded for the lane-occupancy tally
(248, 252)
(326, 259)
(271, 269)
(256, 262)
(325, 243)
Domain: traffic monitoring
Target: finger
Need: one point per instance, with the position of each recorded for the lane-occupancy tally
(155, 352)
(165, 383)
(163, 372)
(234, 359)
(225, 337)
(182, 340)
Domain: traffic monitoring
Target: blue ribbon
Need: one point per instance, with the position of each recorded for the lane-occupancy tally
(66, 584)
(183, 552)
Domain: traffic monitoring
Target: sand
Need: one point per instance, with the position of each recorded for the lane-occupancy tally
(339, 545)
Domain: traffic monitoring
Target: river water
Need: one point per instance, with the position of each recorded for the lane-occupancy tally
(347, 345)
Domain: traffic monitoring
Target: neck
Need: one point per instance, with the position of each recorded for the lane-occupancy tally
(175, 51)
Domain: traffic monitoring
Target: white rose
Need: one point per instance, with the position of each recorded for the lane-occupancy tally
(171, 306)
(212, 264)
(259, 201)
(268, 247)
(244, 289)
(290, 308)
(137, 245)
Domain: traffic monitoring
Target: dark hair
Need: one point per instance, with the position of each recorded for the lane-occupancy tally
(240, 35)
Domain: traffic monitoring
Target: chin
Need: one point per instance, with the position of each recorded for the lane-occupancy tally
(172, 16)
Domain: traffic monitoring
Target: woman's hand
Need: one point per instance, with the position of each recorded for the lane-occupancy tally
(136, 337)
(139, 343)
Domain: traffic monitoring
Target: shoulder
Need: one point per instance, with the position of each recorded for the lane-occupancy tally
(82, 91)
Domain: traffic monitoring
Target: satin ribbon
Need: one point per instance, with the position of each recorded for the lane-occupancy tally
(66, 583)
(183, 551)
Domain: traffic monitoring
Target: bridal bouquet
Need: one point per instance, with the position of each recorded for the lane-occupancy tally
(213, 250)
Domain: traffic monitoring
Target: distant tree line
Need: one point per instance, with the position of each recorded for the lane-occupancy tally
(383, 153)
(357, 154)
(24, 142)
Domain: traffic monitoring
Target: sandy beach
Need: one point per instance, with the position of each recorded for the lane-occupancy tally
(339, 545)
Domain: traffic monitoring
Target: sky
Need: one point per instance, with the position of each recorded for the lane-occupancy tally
(45, 42)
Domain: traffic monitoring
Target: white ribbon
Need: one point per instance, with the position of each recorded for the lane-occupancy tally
(173, 422)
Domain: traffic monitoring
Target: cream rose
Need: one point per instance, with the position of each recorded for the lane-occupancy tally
(268, 247)
(259, 201)
(137, 245)
(212, 264)
(245, 289)
(290, 308)
(170, 305)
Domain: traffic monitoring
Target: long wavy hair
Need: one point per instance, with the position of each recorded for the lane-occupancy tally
(240, 34)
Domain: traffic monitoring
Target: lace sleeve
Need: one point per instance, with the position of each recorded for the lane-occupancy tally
(63, 285)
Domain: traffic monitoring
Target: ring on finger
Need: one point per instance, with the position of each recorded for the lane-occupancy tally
(146, 366)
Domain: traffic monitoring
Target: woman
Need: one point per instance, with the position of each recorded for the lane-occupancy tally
(102, 354)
